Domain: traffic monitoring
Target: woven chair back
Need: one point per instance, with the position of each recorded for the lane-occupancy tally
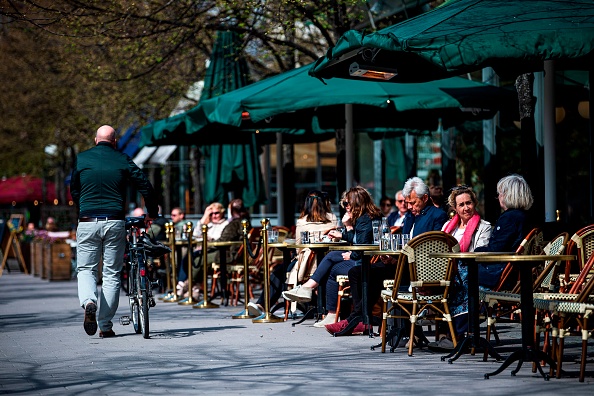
(430, 271)
(509, 272)
(545, 280)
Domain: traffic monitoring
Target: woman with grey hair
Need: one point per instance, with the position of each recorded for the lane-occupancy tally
(515, 198)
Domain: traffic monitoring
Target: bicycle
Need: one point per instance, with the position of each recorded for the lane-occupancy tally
(140, 284)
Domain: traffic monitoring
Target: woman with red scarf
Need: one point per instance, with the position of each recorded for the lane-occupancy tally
(471, 232)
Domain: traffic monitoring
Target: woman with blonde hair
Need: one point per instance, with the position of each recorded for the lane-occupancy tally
(360, 212)
(471, 231)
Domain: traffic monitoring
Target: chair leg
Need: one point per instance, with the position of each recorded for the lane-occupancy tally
(338, 303)
(213, 284)
(384, 328)
(546, 342)
(554, 344)
(413, 321)
(537, 330)
(495, 333)
(490, 328)
(584, 355)
(561, 346)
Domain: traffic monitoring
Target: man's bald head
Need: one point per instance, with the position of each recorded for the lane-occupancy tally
(105, 134)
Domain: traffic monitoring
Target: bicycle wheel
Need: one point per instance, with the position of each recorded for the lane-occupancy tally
(133, 301)
(144, 314)
(143, 296)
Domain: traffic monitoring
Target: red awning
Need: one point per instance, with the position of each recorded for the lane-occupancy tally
(22, 189)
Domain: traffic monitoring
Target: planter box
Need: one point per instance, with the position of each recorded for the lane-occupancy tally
(26, 251)
(37, 258)
(57, 261)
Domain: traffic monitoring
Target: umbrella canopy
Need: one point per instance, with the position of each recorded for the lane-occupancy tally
(294, 98)
(24, 189)
(513, 37)
(466, 35)
(230, 167)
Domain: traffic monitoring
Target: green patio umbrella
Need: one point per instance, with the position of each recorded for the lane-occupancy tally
(231, 155)
(231, 167)
(461, 36)
(512, 37)
(294, 98)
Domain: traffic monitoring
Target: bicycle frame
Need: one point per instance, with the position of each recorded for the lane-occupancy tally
(139, 285)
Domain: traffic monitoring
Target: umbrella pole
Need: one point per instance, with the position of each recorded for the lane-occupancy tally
(349, 145)
(550, 170)
(280, 183)
(591, 112)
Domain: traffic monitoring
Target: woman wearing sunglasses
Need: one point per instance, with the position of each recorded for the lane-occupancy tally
(360, 212)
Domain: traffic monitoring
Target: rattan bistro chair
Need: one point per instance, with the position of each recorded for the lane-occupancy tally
(502, 305)
(430, 284)
(508, 283)
(582, 245)
(571, 314)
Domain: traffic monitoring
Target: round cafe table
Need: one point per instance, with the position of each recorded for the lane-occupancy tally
(222, 247)
(525, 264)
(527, 353)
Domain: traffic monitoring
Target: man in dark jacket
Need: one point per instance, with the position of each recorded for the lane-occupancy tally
(98, 188)
(422, 216)
(426, 216)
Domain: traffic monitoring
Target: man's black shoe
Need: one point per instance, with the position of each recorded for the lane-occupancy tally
(107, 334)
(90, 323)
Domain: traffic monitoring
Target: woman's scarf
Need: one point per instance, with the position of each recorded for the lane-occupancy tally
(468, 231)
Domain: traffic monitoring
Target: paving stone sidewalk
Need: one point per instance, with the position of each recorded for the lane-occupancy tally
(44, 350)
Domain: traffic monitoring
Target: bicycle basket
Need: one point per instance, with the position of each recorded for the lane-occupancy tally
(154, 249)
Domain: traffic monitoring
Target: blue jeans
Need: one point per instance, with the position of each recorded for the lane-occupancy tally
(95, 241)
(331, 265)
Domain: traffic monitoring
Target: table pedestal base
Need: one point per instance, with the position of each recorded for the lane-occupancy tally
(525, 355)
(468, 342)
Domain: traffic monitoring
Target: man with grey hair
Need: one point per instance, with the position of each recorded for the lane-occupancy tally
(99, 184)
(426, 216)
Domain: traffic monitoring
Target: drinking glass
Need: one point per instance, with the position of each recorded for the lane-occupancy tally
(314, 236)
(395, 242)
(404, 238)
(376, 231)
(272, 236)
(304, 237)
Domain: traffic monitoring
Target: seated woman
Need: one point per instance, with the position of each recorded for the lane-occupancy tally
(515, 198)
(421, 216)
(360, 212)
(315, 216)
(214, 219)
(471, 232)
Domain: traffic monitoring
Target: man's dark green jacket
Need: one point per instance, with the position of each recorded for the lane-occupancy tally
(99, 181)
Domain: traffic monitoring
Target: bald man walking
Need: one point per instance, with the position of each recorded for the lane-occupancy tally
(100, 178)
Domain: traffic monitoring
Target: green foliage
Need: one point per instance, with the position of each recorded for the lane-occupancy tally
(70, 66)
